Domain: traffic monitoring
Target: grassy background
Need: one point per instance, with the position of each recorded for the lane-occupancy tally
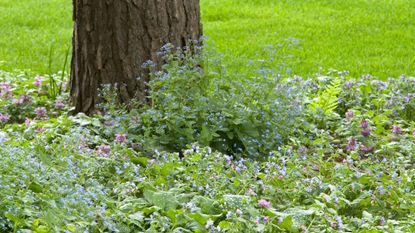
(361, 36)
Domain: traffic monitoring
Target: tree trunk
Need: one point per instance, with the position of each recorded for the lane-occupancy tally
(113, 38)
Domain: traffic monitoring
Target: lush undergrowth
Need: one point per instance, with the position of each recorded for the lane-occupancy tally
(375, 37)
(333, 153)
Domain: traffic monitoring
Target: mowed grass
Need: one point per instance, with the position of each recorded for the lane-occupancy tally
(34, 34)
(310, 36)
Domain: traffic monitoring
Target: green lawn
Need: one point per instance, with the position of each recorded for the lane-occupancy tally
(361, 36)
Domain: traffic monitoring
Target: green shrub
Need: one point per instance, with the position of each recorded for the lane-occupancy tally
(195, 99)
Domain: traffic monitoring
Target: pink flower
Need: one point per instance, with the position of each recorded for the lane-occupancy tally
(351, 144)
(396, 129)
(366, 132)
(59, 104)
(40, 112)
(103, 150)
(413, 133)
(364, 124)
(6, 90)
(27, 122)
(349, 114)
(38, 81)
(39, 130)
(251, 192)
(120, 138)
(23, 99)
(264, 203)
(4, 118)
(367, 149)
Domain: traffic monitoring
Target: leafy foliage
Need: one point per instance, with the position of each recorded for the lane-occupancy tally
(350, 168)
(327, 100)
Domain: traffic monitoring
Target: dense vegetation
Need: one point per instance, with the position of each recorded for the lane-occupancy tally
(241, 145)
(214, 151)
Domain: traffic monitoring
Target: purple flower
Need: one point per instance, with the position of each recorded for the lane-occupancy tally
(4, 118)
(264, 203)
(251, 192)
(266, 219)
(209, 223)
(120, 138)
(413, 133)
(103, 150)
(6, 90)
(23, 99)
(40, 112)
(382, 221)
(381, 191)
(396, 129)
(367, 149)
(366, 132)
(364, 124)
(27, 122)
(39, 130)
(38, 81)
(349, 114)
(351, 144)
(59, 104)
(339, 222)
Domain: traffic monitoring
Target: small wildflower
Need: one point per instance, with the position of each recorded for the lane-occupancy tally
(382, 221)
(120, 138)
(339, 222)
(59, 104)
(103, 149)
(351, 144)
(258, 220)
(367, 149)
(349, 114)
(23, 99)
(366, 132)
(27, 122)
(264, 203)
(38, 81)
(239, 212)
(251, 192)
(4, 118)
(40, 112)
(381, 191)
(39, 130)
(266, 219)
(6, 90)
(396, 129)
(364, 124)
(229, 214)
(209, 224)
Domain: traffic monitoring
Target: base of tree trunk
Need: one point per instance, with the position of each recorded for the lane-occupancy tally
(113, 38)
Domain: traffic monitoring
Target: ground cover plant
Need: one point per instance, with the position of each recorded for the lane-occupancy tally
(375, 37)
(242, 145)
(344, 163)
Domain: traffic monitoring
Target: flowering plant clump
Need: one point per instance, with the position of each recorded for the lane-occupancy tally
(212, 152)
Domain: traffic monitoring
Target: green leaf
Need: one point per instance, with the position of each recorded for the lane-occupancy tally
(287, 223)
(207, 205)
(205, 136)
(164, 200)
(143, 161)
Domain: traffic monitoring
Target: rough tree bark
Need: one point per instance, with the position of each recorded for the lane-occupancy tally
(113, 38)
